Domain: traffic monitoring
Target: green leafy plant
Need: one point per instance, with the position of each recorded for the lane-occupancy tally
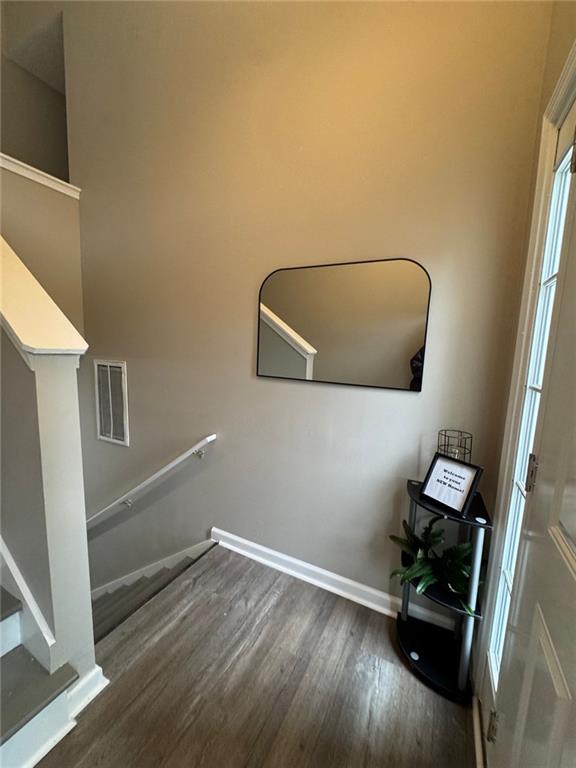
(451, 568)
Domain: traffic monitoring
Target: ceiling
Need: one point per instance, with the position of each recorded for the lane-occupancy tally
(41, 52)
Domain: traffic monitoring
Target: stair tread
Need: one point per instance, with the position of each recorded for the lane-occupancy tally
(136, 597)
(117, 598)
(160, 579)
(8, 604)
(181, 566)
(27, 688)
(105, 600)
(128, 597)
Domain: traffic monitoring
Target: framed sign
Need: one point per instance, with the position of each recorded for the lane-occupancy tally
(451, 482)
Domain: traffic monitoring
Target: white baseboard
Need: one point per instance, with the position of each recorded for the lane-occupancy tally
(332, 582)
(478, 735)
(86, 689)
(10, 635)
(34, 740)
(149, 570)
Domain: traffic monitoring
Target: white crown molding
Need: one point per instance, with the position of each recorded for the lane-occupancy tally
(29, 172)
(372, 598)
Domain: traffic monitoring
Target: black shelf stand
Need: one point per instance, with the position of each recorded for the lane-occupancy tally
(436, 655)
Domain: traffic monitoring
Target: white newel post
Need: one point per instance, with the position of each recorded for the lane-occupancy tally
(51, 347)
(66, 533)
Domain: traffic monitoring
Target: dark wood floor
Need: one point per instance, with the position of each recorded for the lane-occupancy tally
(237, 665)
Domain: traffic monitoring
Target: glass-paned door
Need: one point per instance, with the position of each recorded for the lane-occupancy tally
(532, 391)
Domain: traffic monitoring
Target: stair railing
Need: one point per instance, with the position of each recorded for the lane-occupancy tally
(126, 500)
(291, 337)
(51, 348)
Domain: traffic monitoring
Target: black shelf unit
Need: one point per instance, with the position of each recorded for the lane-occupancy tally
(438, 656)
(438, 593)
(436, 649)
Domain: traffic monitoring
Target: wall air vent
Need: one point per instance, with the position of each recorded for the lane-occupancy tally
(111, 401)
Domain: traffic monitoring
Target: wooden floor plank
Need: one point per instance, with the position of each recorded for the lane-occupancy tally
(235, 665)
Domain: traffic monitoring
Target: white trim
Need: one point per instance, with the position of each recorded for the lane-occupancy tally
(492, 673)
(340, 585)
(288, 333)
(149, 570)
(40, 177)
(85, 690)
(559, 681)
(566, 549)
(34, 740)
(129, 497)
(26, 595)
(116, 364)
(565, 136)
(291, 337)
(10, 633)
(478, 737)
(563, 96)
(35, 323)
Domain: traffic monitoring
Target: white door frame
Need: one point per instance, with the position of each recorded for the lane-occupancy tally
(560, 103)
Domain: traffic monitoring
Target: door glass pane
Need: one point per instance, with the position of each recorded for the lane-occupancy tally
(502, 622)
(511, 545)
(557, 219)
(526, 438)
(541, 332)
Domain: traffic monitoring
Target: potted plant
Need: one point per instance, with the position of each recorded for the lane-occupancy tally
(451, 568)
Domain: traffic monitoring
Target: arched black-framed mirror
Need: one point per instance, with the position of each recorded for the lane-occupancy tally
(361, 323)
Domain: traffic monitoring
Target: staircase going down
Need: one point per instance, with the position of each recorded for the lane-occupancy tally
(27, 689)
(112, 608)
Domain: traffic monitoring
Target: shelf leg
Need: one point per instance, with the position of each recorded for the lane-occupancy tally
(405, 600)
(468, 627)
(406, 587)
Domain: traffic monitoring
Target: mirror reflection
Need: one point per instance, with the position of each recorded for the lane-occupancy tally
(362, 323)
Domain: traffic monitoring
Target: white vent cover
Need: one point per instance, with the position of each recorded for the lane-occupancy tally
(111, 401)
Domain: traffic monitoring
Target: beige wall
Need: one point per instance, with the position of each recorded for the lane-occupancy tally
(42, 225)
(218, 142)
(33, 121)
(366, 321)
(32, 113)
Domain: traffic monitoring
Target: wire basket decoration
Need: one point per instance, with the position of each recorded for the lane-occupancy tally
(456, 444)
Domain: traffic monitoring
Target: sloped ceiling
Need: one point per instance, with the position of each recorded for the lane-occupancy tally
(41, 52)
